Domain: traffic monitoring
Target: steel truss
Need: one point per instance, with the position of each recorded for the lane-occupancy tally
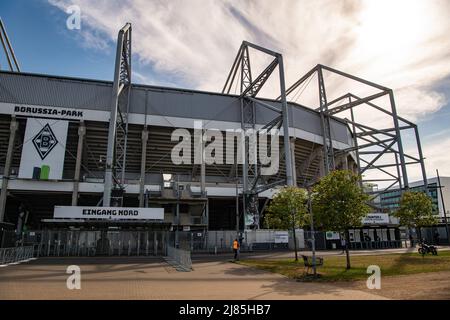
(118, 125)
(249, 89)
(8, 49)
(369, 144)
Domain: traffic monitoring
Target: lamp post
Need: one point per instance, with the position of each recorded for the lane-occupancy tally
(443, 206)
(313, 238)
(294, 236)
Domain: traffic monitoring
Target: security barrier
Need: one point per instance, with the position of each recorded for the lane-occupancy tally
(182, 258)
(58, 243)
(17, 254)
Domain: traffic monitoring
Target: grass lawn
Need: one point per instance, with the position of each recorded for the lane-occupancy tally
(333, 268)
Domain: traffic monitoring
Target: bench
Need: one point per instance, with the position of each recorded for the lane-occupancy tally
(309, 263)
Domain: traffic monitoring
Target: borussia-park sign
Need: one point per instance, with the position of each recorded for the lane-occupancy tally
(112, 213)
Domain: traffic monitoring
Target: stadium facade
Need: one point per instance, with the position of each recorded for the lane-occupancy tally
(155, 112)
(96, 155)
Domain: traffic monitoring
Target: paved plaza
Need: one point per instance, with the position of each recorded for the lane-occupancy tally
(144, 278)
(213, 277)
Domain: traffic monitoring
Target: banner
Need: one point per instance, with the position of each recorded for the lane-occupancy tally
(332, 235)
(281, 237)
(376, 218)
(113, 213)
(43, 149)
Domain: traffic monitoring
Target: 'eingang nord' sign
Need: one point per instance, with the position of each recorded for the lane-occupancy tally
(113, 213)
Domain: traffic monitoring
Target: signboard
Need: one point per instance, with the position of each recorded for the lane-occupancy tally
(48, 112)
(112, 213)
(376, 218)
(44, 149)
(281, 237)
(332, 235)
(54, 112)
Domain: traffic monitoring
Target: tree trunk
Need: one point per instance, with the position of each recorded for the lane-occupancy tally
(295, 244)
(419, 234)
(347, 252)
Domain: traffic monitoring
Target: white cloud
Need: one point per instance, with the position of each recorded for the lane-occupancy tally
(436, 157)
(435, 148)
(402, 44)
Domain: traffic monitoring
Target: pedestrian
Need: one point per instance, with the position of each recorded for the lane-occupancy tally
(411, 240)
(236, 249)
(436, 237)
(343, 244)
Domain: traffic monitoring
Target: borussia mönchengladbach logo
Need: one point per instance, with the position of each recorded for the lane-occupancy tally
(45, 141)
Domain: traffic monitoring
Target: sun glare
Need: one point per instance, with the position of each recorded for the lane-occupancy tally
(393, 30)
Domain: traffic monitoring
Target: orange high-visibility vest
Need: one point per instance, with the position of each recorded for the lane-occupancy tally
(235, 244)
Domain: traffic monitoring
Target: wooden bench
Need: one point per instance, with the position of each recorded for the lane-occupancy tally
(308, 262)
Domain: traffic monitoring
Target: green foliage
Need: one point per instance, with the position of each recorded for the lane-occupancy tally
(287, 209)
(416, 210)
(338, 202)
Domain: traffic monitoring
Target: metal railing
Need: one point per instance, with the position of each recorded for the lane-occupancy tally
(369, 245)
(58, 243)
(17, 254)
(182, 258)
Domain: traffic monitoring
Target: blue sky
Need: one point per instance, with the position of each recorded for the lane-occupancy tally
(44, 45)
(176, 44)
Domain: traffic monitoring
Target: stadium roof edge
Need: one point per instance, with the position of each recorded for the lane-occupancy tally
(154, 87)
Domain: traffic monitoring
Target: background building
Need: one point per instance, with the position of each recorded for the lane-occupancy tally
(390, 200)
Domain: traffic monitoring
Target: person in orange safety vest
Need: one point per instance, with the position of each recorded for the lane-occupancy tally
(236, 249)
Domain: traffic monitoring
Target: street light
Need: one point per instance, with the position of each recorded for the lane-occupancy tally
(443, 206)
(313, 238)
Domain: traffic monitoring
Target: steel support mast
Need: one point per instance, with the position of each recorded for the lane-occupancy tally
(8, 49)
(249, 89)
(118, 124)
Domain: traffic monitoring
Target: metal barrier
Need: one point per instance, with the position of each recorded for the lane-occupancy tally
(57, 243)
(182, 258)
(17, 254)
(320, 240)
(369, 245)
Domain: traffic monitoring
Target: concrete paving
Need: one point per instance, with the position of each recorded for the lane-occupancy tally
(152, 278)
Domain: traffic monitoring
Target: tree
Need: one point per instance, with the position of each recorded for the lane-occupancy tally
(416, 211)
(288, 210)
(338, 203)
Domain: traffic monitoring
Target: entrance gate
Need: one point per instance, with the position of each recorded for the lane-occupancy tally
(96, 243)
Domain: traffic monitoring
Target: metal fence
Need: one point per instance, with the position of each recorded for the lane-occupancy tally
(222, 241)
(155, 243)
(96, 243)
(17, 254)
(8, 238)
(369, 245)
(182, 258)
(319, 237)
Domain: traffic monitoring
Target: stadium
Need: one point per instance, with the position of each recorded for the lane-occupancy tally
(87, 165)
